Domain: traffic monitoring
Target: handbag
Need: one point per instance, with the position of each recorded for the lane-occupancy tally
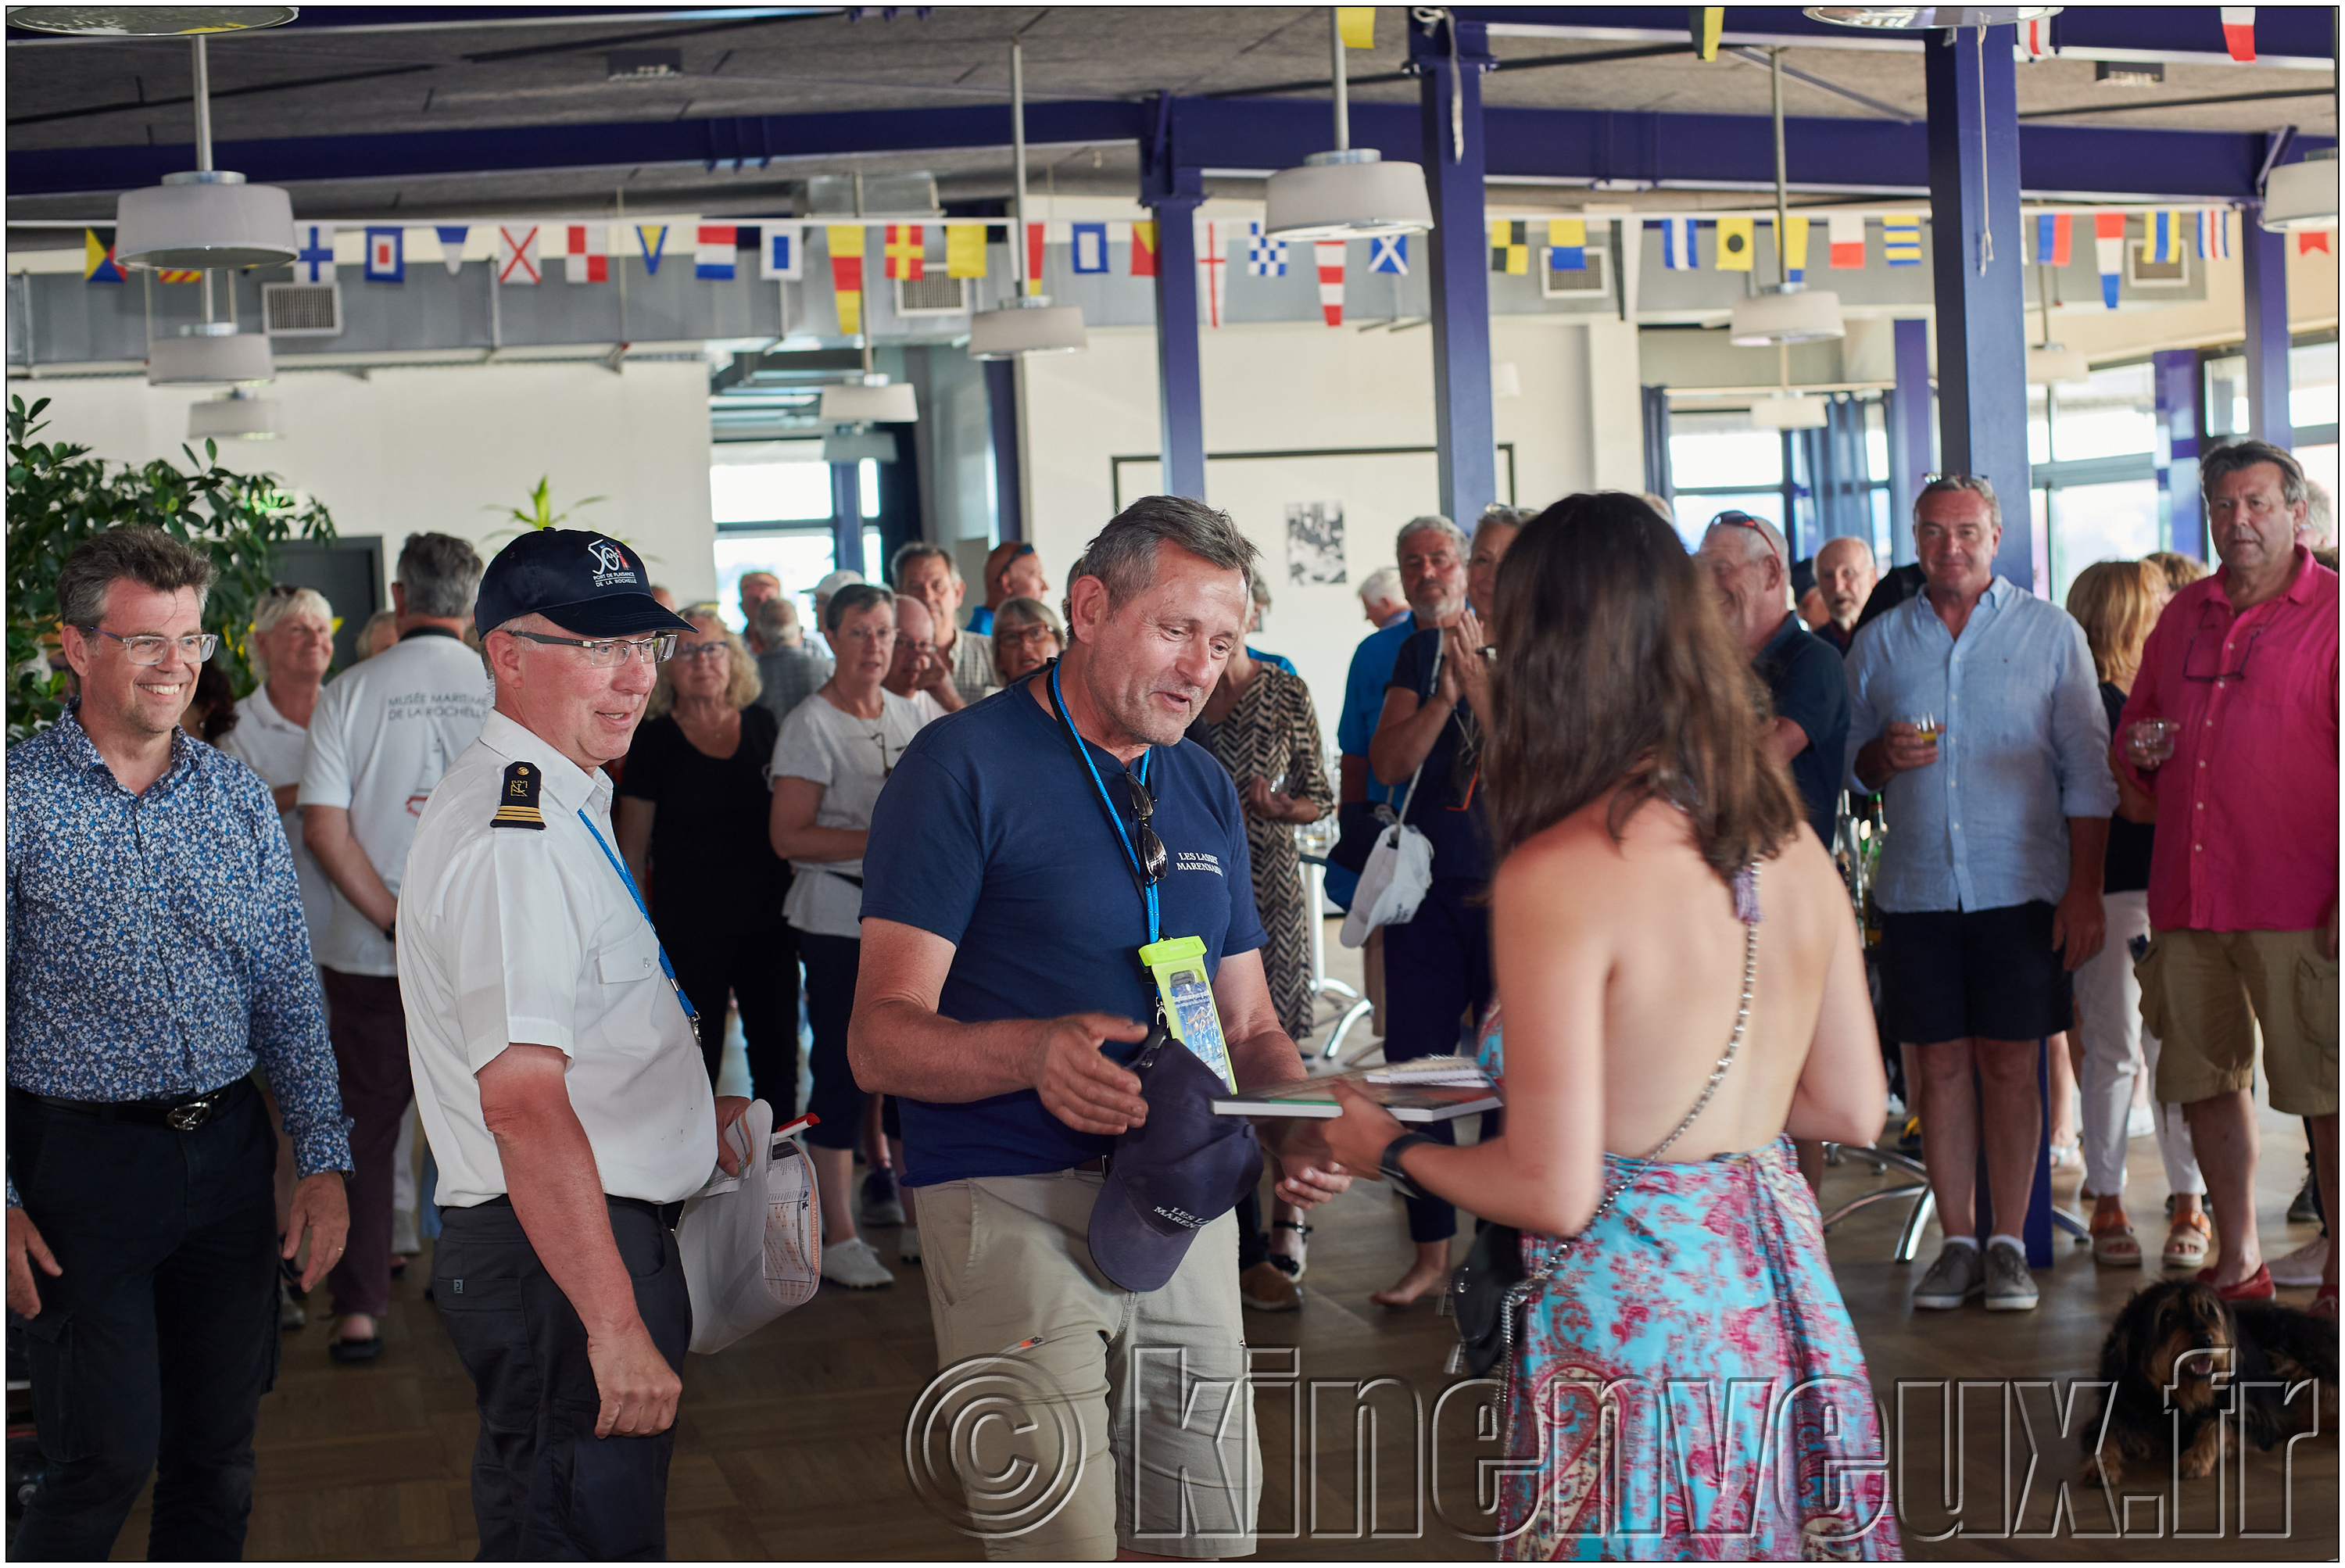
(1399, 868)
(1488, 1289)
(751, 1245)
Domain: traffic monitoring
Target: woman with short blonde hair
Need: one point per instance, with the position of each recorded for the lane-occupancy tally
(742, 686)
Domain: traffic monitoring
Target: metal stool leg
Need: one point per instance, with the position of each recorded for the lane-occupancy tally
(1357, 1011)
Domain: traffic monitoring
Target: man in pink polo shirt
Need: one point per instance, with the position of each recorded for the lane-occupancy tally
(2241, 676)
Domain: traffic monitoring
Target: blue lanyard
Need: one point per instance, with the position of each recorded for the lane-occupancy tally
(620, 866)
(1139, 874)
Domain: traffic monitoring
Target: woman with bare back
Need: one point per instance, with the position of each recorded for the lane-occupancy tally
(1684, 1370)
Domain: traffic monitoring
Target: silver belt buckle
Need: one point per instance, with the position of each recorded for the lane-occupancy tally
(187, 1118)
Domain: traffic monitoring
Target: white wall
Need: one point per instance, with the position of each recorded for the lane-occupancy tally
(1305, 387)
(447, 449)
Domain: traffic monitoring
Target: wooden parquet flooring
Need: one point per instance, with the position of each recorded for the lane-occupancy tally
(791, 1444)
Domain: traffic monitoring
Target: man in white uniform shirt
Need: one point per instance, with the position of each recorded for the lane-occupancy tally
(383, 733)
(562, 1082)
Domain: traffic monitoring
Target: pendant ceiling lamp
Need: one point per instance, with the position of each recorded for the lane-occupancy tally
(148, 21)
(1790, 410)
(2303, 195)
(874, 401)
(1928, 18)
(1785, 311)
(1027, 323)
(205, 217)
(236, 415)
(1350, 193)
(209, 355)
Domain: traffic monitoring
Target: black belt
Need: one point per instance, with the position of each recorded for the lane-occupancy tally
(181, 1114)
(667, 1214)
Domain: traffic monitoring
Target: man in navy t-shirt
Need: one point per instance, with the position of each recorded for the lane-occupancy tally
(1000, 993)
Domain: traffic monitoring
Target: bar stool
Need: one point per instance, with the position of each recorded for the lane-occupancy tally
(1315, 894)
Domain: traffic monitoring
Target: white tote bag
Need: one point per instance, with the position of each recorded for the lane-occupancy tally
(1400, 869)
(751, 1244)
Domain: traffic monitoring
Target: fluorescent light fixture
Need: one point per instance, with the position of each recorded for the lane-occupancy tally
(2128, 73)
(1786, 313)
(237, 415)
(1349, 195)
(1028, 324)
(1789, 411)
(884, 403)
(2303, 195)
(213, 353)
(2051, 363)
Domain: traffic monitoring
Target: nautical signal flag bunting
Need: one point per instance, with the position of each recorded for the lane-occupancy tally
(1511, 246)
(1734, 244)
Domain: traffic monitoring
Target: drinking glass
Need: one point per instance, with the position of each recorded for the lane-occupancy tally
(2151, 741)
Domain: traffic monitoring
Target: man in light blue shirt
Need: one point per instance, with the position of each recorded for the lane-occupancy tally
(1975, 711)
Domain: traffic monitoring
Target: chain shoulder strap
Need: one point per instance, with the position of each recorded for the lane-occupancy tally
(1746, 906)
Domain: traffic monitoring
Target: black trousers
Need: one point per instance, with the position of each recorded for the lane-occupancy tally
(152, 1350)
(756, 958)
(831, 964)
(543, 1485)
(1437, 969)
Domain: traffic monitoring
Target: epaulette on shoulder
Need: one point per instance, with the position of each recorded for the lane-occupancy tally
(517, 799)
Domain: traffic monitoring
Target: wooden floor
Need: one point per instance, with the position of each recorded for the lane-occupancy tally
(790, 1444)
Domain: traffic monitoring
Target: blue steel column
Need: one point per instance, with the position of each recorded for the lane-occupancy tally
(2174, 378)
(2263, 260)
(1457, 260)
(1179, 383)
(846, 516)
(1976, 251)
(1913, 429)
(1009, 483)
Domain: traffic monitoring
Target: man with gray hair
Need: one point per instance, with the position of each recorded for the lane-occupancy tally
(2318, 529)
(1846, 573)
(383, 733)
(1381, 598)
(789, 670)
(1020, 860)
(1974, 710)
(927, 574)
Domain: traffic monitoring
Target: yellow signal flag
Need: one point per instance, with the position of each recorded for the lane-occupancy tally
(1357, 25)
(1795, 244)
(964, 250)
(1734, 246)
(1706, 22)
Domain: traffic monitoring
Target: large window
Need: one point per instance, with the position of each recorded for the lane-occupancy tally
(771, 502)
(2092, 451)
(1719, 461)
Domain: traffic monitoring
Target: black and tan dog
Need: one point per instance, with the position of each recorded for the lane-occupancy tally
(2216, 1357)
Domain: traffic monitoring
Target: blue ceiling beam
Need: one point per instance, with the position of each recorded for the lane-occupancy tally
(1254, 134)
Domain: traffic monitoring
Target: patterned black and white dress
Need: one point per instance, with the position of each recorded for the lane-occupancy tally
(1275, 732)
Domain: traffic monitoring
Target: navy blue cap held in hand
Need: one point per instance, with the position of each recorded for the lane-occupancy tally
(586, 583)
(1175, 1173)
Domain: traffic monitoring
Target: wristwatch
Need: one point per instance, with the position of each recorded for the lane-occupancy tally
(1388, 1165)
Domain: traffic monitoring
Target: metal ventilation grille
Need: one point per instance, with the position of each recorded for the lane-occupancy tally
(1588, 280)
(931, 296)
(301, 310)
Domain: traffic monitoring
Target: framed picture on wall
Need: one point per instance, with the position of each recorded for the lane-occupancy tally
(1314, 542)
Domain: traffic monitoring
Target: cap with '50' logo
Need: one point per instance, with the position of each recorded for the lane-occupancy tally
(586, 583)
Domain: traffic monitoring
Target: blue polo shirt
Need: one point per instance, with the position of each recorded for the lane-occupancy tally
(991, 835)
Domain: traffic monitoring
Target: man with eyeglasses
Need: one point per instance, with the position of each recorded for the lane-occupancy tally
(1975, 712)
(559, 1074)
(156, 953)
(383, 733)
(2232, 727)
(916, 671)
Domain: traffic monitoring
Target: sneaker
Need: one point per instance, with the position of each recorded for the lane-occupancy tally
(2303, 1265)
(907, 1245)
(2141, 1122)
(1956, 1276)
(853, 1264)
(1266, 1288)
(2304, 1209)
(403, 1238)
(2010, 1288)
(880, 1203)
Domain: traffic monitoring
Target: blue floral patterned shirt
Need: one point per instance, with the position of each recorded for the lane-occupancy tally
(156, 944)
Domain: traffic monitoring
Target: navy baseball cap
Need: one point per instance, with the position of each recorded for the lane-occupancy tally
(584, 583)
(1173, 1175)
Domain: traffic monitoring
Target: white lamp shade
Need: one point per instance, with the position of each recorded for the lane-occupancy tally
(1786, 316)
(204, 223)
(1017, 330)
(148, 21)
(235, 418)
(1351, 200)
(1791, 412)
(891, 404)
(860, 446)
(204, 359)
(2053, 363)
(2303, 195)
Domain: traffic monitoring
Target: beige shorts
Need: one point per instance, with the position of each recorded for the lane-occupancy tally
(1132, 1422)
(2204, 993)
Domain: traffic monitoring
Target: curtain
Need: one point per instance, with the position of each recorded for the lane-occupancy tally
(1839, 482)
(1656, 443)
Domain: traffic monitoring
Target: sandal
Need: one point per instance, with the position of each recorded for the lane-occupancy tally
(1293, 1266)
(2113, 1239)
(2186, 1243)
(2065, 1157)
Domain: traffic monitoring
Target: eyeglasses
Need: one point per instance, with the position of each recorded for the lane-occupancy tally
(604, 652)
(2237, 672)
(866, 634)
(695, 651)
(887, 768)
(1029, 636)
(149, 650)
(1153, 860)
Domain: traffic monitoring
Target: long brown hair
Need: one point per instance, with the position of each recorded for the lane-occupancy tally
(1614, 669)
